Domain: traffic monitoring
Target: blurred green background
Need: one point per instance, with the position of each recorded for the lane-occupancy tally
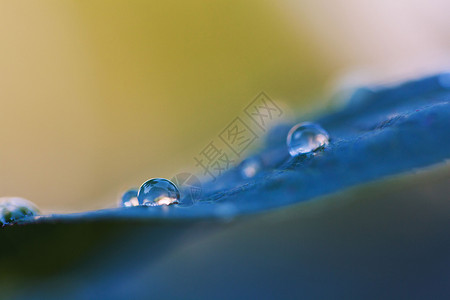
(97, 96)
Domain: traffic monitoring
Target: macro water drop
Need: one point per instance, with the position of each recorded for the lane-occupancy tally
(251, 166)
(157, 192)
(306, 137)
(15, 208)
(129, 198)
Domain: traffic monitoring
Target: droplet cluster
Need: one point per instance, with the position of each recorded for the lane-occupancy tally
(301, 139)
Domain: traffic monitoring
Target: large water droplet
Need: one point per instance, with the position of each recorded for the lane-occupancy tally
(15, 208)
(158, 191)
(250, 166)
(129, 198)
(306, 137)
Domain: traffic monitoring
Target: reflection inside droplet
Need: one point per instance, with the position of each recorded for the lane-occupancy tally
(306, 137)
(158, 191)
(15, 208)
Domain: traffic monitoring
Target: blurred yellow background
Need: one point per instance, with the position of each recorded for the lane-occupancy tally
(97, 96)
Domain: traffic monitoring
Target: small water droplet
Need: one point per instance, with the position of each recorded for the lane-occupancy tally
(158, 191)
(251, 166)
(15, 208)
(129, 198)
(306, 137)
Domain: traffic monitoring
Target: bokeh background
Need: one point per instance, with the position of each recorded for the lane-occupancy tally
(97, 96)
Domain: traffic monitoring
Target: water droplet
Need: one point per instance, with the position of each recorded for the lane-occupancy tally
(158, 191)
(306, 137)
(15, 208)
(251, 166)
(129, 198)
